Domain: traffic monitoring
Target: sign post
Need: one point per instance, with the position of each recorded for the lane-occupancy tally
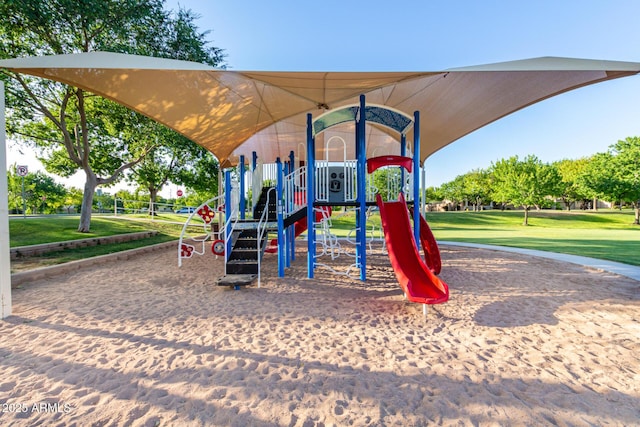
(23, 170)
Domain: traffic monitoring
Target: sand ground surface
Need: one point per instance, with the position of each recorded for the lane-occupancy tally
(522, 341)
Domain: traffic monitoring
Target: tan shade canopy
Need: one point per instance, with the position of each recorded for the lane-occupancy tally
(236, 112)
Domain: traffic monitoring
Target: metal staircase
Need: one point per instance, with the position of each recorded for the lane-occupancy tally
(248, 243)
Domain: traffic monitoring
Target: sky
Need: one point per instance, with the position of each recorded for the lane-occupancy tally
(426, 35)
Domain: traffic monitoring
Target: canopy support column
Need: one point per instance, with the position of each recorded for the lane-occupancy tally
(5, 255)
(416, 177)
(292, 168)
(280, 208)
(403, 153)
(311, 182)
(286, 209)
(361, 218)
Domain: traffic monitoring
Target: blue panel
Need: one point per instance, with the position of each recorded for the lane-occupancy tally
(389, 118)
(334, 118)
(393, 119)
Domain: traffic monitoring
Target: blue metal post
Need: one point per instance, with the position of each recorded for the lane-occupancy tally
(281, 243)
(254, 161)
(287, 240)
(361, 192)
(416, 177)
(292, 244)
(227, 211)
(403, 153)
(241, 180)
(311, 197)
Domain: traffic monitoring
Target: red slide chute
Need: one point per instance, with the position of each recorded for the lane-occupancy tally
(417, 280)
(429, 246)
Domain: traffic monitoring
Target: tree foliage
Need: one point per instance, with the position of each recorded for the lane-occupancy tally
(615, 175)
(41, 193)
(572, 175)
(74, 130)
(526, 183)
(473, 188)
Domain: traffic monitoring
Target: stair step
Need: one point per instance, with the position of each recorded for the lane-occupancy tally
(236, 280)
(244, 254)
(245, 244)
(242, 267)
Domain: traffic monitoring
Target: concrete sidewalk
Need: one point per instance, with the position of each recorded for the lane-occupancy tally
(614, 267)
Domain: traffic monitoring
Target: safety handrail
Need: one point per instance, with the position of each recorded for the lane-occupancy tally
(295, 190)
(262, 227)
(207, 234)
(233, 216)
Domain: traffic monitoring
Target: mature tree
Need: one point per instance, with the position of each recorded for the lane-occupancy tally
(174, 156)
(571, 183)
(73, 200)
(472, 188)
(386, 181)
(41, 193)
(477, 187)
(453, 191)
(525, 183)
(73, 129)
(615, 174)
(201, 174)
(433, 195)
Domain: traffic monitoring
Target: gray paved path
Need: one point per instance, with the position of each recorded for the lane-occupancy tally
(614, 267)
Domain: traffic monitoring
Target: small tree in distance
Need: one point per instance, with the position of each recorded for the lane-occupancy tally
(525, 183)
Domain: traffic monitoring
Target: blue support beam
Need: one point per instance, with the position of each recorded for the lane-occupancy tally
(416, 177)
(280, 214)
(288, 234)
(403, 153)
(311, 231)
(361, 248)
(292, 245)
(254, 161)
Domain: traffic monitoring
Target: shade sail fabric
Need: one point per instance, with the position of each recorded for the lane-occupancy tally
(237, 112)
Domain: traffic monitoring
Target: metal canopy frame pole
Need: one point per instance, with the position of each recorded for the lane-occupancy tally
(416, 177)
(280, 208)
(403, 153)
(285, 209)
(311, 182)
(292, 240)
(5, 254)
(361, 223)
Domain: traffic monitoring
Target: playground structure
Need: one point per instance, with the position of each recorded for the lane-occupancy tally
(265, 112)
(299, 195)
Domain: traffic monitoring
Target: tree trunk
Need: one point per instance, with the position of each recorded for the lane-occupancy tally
(87, 202)
(153, 195)
(636, 221)
(526, 216)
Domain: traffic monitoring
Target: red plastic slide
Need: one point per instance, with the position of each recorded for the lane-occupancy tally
(429, 246)
(416, 279)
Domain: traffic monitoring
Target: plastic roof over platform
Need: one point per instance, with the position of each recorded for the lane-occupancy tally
(236, 112)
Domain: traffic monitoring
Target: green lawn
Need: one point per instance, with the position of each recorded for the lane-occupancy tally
(605, 234)
(46, 229)
(31, 231)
